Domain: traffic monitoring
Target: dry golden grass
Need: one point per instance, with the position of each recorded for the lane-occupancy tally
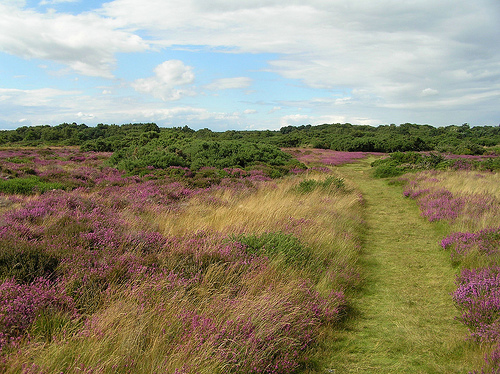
(466, 184)
(333, 220)
(141, 325)
(470, 182)
(271, 208)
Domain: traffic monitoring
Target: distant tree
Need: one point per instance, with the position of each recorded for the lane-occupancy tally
(150, 127)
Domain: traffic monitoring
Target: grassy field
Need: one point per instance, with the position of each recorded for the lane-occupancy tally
(407, 320)
(328, 271)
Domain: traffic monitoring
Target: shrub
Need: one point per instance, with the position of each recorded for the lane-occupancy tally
(28, 186)
(387, 171)
(275, 244)
(309, 185)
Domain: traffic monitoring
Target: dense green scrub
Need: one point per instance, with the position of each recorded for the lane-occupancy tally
(399, 163)
(340, 137)
(173, 150)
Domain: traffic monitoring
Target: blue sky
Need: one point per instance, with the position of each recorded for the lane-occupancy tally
(248, 64)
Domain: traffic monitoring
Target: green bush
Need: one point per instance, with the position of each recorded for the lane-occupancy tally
(169, 149)
(329, 184)
(276, 244)
(387, 171)
(233, 153)
(28, 186)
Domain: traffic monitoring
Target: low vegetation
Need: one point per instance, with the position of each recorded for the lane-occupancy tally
(399, 163)
(467, 202)
(137, 249)
(142, 273)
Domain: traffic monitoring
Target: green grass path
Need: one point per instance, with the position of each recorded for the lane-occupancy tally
(406, 314)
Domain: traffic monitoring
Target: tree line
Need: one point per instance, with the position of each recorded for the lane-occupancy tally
(457, 139)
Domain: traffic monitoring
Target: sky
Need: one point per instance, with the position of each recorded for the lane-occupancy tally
(249, 64)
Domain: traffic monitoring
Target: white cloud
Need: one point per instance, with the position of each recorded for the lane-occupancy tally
(249, 111)
(294, 119)
(50, 106)
(425, 60)
(168, 77)
(274, 109)
(85, 116)
(87, 43)
(301, 119)
(429, 92)
(391, 51)
(33, 98)
(229, 83)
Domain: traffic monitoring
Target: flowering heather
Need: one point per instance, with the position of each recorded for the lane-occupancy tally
(72, 169)
(19, 163)
(486, 241)
(468, 157)
(98, 249)
(326, 156)
(20, 305)
(467, 162)
(441, 204)
(261, 339)
(473, 205)
(478, 298)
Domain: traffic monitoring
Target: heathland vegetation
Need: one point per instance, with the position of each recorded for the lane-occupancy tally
(215, 271)
(137, 249)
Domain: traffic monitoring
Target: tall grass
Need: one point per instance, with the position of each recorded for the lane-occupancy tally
(147, 274)
(329, 221)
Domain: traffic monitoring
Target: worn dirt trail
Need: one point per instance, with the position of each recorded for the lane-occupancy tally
(406, 321)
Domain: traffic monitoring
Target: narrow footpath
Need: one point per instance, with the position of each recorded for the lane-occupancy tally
(406, 317)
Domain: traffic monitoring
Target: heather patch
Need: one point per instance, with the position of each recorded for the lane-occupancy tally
(486, 241)
(315, 156)
(478, 298)
(475, 207)
(112, 273)
(21, 305)
(399, 163)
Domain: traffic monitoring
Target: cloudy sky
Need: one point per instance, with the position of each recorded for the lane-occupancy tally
(249, 64)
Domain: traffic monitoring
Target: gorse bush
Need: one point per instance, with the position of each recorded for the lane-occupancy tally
(224, 154)
(167, 151)
(160, 159)
(388, 171)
